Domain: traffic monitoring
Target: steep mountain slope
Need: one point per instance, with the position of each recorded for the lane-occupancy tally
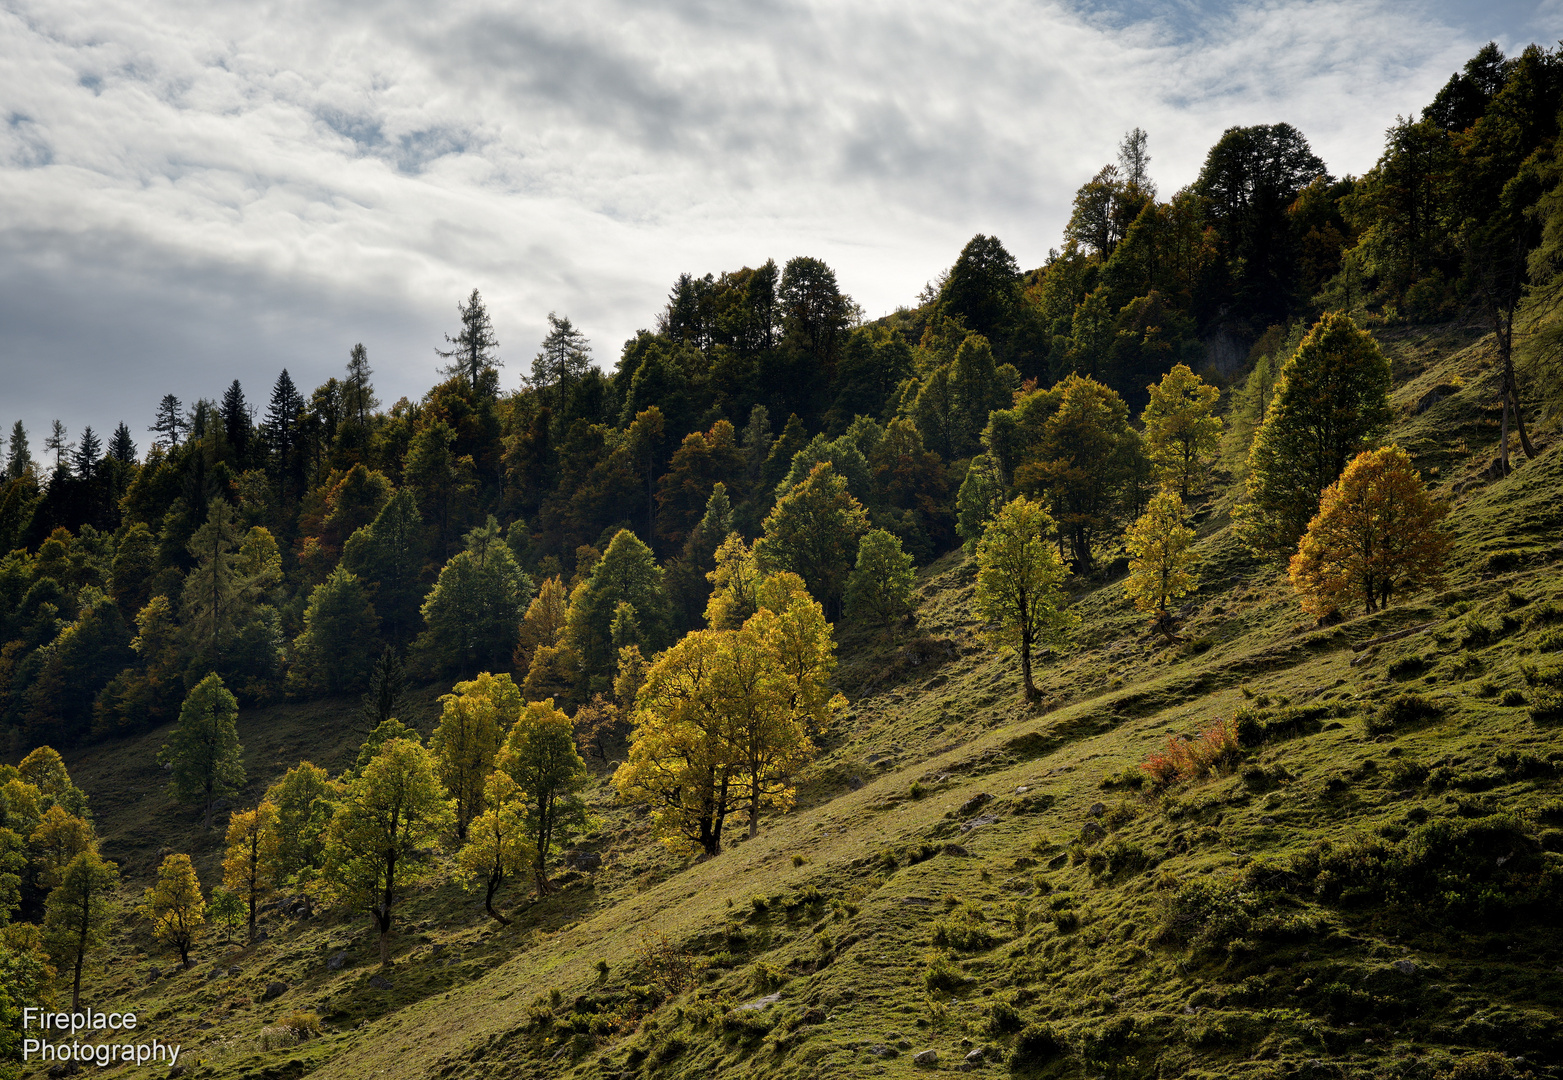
(1373, 890)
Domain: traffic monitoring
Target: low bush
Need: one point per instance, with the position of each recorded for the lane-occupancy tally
(1403, 711)
(967, 930)
(1214, 751)
(943, 976)
(1003, 1019)
(1037, 1045)
(1205, 914)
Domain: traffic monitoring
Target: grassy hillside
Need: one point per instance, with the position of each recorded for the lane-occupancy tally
(1373, 891)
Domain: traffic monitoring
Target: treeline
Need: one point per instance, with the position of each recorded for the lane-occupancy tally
(320, 543)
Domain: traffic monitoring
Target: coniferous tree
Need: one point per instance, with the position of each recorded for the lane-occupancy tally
(58, 443)
(563, 360)
(88, 454)
(472, 353)
(19, 458)
(387, 688)
(236, 421)
(336, 648)
(358, 400)
(170, 424)
(472, 617)
(216, 589)
(281, 432)
(121, 448)
(204, 751)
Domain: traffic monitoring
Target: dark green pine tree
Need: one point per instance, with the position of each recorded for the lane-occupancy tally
(280, 431)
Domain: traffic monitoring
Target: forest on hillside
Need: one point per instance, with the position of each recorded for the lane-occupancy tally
(323, 542)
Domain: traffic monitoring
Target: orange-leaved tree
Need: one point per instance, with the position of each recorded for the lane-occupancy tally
(1376, 534)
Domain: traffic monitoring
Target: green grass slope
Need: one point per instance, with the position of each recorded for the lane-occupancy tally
(1372, 890)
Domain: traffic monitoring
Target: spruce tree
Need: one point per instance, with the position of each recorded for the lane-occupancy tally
(88, 454)
(121, 448)
(280, 430)
(236, 421)
(19, 458)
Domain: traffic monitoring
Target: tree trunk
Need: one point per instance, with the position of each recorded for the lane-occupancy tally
(1514, 398)
(81, 956)
(494, 881)
(1503, 444)
(1032, 694)
(754, 810)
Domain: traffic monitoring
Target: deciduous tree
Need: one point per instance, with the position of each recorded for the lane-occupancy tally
(175, 906)
(251, 865)
(1181, 435)
(78, 914)
(386, 830)
(879, 590)
(473, 722)
(813, 532)
(204, 750)
(499, 844)
(1376, 534)
(1020, 584)
(1161, 558)
(540, 756)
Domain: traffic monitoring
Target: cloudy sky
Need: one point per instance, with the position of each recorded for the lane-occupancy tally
(192, 192)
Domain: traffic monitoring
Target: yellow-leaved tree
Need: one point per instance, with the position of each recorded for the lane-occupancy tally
(1376, 534)
(1020, 580)
(540, 756)
(58, 839)
(726, 717)
(499, 844)
(175, 906)
(386, 830)
(1181, 435)
(472, 724)
(251, 866)
(1161, 558)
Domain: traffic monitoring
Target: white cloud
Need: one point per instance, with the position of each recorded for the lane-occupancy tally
(192, 193)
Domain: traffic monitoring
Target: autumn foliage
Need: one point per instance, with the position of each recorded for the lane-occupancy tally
(1214, 750)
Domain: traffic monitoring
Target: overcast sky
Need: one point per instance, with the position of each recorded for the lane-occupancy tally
(195, 192)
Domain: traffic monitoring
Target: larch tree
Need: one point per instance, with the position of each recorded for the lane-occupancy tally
(1161, 559)
(216, 588)
(175, 906)
(389, 554)
(204, 751)
(252, 863)
(386, 831)
(387, 691)
(499, 844)
(473, 722)
(1020, 584)
(1376, 534)
(540, 756)
(472, 351)
(1181, 435)
(78, 914)
(1331, 401)
(544, 621)
(563, 360)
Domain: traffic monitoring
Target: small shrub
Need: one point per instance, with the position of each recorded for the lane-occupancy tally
(1512, 698)
(1546, 706)
(1205, 913)
(766, 977)
(798, 859)
(917, 791)
(1065, 921)
(1501, 562)
(276, 1036)
(1406, 773)
(1487, 689)
(1003, 1019)
(1402, 711)
(305, 1025)
(1214, 751)
(666, 965)
(1037, 1045)
(1550, 640)
(943, 976)
(1475, 634)
(966, 930)
(1406, 667)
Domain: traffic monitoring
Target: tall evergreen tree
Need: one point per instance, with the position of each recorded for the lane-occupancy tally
(170, 425)
(121, 448)
(88, 454)
(281, 432)
(58, 443)
(563, 359)
(358, 400)
(236, 421)
(204, 752)
(472, 350)
(19, 457)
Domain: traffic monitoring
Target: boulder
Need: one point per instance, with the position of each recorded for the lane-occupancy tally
(1405, 967)
(1092, 833)
(978, 822)
(926, 1058)
(336, 960)
(975, 803)
(274, 990)
(379, 982)
(760, 1003)
(586, 861)
(1097, 809)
